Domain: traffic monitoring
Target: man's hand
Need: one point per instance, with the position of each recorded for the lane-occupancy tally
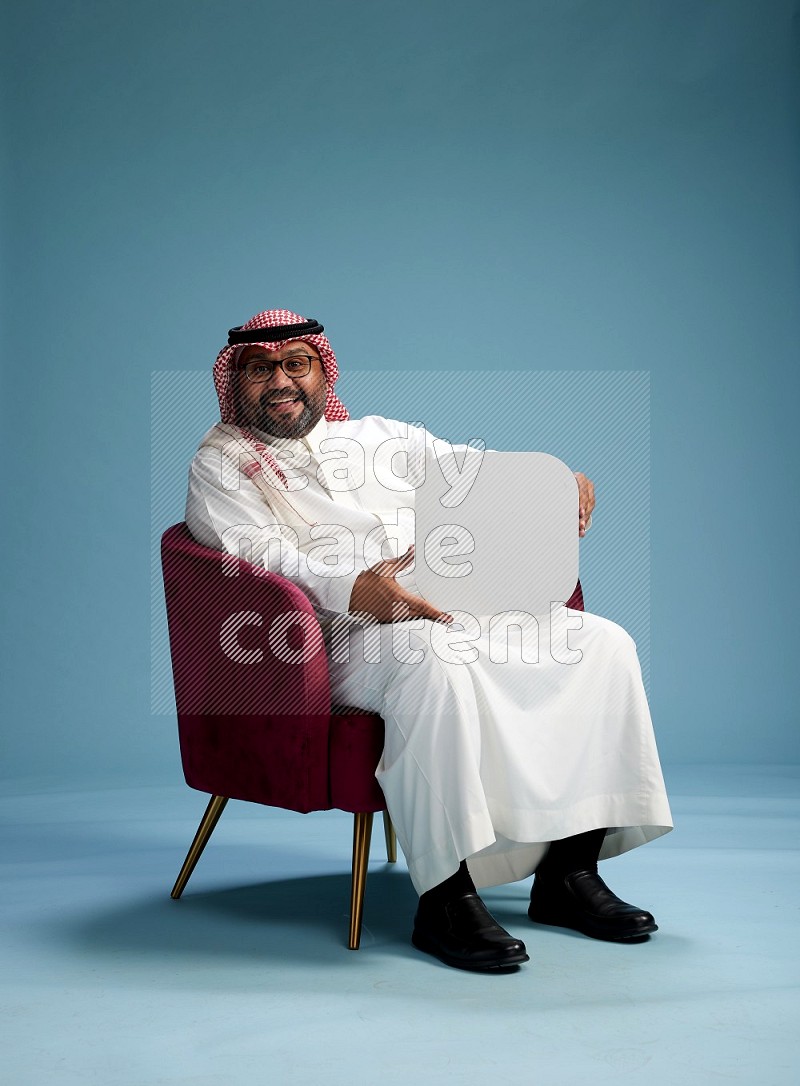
(377, 593)
(585, 501)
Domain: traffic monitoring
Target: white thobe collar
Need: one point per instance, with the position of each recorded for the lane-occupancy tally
(315, 435)
(319, 469)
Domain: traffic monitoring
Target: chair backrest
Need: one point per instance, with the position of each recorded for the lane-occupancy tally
(251, 677)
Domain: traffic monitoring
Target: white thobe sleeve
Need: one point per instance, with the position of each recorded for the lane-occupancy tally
(222, 519)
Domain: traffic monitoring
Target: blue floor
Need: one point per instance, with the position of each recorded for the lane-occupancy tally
(247, 979)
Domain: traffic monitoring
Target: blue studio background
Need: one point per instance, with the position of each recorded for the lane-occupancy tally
(595, 187)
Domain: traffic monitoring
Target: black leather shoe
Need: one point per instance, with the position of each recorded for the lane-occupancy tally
(464, 933)
(583, 902)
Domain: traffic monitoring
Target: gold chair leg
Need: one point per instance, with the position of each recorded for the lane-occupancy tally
(362, 833)
(391, 839)
(209, 820)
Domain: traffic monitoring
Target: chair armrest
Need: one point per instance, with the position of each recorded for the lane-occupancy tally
(251, 678)
(243, 640)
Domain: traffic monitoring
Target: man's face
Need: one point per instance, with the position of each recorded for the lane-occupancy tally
(281, 406)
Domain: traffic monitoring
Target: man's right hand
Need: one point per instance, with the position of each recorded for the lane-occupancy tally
(377, 593)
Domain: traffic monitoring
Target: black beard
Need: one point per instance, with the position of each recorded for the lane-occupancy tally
(278, 427)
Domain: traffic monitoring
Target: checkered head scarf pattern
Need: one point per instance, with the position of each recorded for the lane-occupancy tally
(227, 358)
(225, 367)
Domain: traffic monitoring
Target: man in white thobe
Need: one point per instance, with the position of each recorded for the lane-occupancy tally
(490, 770)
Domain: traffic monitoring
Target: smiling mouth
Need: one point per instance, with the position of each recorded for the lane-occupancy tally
(284, 407)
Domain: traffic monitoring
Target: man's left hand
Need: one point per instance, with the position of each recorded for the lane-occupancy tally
(585, 502)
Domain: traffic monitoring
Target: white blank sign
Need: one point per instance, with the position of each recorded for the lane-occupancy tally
(500, 536)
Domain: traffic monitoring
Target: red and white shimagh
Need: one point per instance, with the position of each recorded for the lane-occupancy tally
(225, 366)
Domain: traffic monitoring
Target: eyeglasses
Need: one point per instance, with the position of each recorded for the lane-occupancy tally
(296, 365)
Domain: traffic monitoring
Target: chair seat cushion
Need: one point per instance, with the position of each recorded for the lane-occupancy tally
(263, 758)
(356, 745)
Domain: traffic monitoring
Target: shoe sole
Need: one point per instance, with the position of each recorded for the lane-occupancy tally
(637, 935)
(509, 965)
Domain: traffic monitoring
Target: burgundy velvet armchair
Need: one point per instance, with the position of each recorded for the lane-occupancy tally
(256, 724)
